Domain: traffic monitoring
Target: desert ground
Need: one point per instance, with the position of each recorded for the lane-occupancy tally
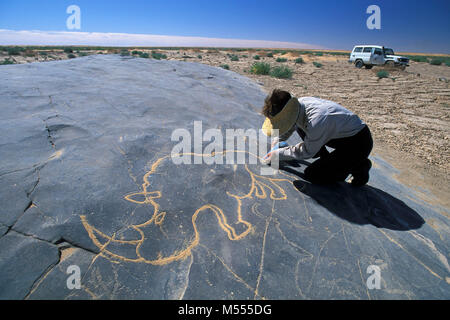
(408, 112)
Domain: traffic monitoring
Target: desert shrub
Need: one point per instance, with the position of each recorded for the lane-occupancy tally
(270, 55)
(317, 64)
(436, 62)
(339, 53)
(256, 57)
(225, 66)
(319, 54)
(418, 58)
(281, 60)
(68, 50)
(281, 72)
(83, 54)
(43, 53)
(158, 56)
(283, 52)
(6, 61)
(71, 56)
(382, 74)
(234, 57)
(447, 63)
(299, 60)
(244, 56)
(260, 68)
(136, 52)
(144, 55)
(200, 56)
(14, 51)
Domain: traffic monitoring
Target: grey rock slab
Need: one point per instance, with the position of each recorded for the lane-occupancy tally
(55, 286)
(23, 262)
(3, 230)
(87, 175)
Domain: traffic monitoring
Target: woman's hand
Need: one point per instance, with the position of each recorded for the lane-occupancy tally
(268, 156)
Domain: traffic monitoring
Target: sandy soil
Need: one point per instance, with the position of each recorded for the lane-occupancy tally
(408, 112)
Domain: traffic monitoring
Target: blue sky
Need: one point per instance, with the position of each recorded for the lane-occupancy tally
(406, 25)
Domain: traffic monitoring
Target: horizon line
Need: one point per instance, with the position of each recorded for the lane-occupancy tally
(117, 39)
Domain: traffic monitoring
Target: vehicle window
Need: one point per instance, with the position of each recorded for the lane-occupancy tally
(358, 49)
(378, 51)
(388, 51)
(367, 49)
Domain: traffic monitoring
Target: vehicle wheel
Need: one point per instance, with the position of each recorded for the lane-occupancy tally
(359, 64)
(390, 63)
(368, 67)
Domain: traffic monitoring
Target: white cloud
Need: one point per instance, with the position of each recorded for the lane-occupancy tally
(36, 37)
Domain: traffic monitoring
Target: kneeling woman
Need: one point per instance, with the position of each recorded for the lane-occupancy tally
(319, 123)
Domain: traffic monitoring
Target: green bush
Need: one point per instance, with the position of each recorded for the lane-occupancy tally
(225, 66)
(317, 64)
(281, 72)
(436, 62)
(319, 54)
(299, 60)
(136, 52)
(68, 50)
(260, 68)
(281, 60)
(418, 58)
(6, 61)
(382, 74)
(71, 56)
(256, 57)
(200, 56)
(158, 56)
(14, 51)
(124, 53)
(270, 55)
(234, 57)
(144, 55)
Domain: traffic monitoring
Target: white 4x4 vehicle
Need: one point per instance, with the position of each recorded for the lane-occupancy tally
(370, 55)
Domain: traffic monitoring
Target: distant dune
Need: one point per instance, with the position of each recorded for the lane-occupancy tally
(36, 37)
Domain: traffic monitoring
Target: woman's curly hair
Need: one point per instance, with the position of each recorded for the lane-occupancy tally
(275, 102)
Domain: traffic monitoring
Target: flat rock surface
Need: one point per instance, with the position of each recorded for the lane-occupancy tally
(87, 180)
